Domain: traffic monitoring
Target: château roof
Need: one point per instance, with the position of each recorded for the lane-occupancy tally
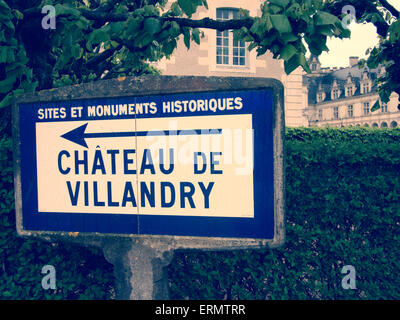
(326, 80)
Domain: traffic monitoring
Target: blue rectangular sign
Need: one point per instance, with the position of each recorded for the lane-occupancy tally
(185, 164)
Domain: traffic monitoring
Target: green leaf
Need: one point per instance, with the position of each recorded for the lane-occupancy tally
(186, 37)
(66, 10)
(9, 25)
(252, 46)
(97, 36)
(8, 83)
(304, 63)
(3, 54)
(295, 61)
(316, 43)
(394, 32)
(196, 35)
(345, 33)
(117, 27)
(2, 36)
(288, 37)
(281, 3)
(281, 23)
(294, 11)
(151, 11)
(76, 51)
(4, 6)
(188, 6)
(18, 14)
(376, 106)
(288, 52)
(175, 10)
(324, 30)
(169, 47)
(324, 18)
(274, 9)
(261, 26)
(133, 25)
(291, 64)
(164, 34)
(175, 29)
(6, 100)
(152, 26)
(142, 40)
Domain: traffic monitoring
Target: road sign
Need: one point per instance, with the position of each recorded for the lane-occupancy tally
(199, 163)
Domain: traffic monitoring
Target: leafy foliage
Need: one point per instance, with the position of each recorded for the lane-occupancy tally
(385, 18)
(15, 78)
(343, 207)
(81, 273)
(101, 39)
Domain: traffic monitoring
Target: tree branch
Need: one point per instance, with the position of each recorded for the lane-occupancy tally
(102, 17)
(206, 23)
(102, 56)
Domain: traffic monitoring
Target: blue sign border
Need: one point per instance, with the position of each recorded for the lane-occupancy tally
(258, 102)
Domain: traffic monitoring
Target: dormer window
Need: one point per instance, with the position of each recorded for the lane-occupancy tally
(349, 91)
(320, 97)
(366, 88)
(335, 94)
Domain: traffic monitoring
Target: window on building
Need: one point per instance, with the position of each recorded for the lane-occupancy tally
(320, 114)
(349, 91)
(314, 67)
(366, 88)
(384, 107)
(230, 52)
(366, 108)
(350, 111)
(320, 97)
(336, 112)
(335, 94)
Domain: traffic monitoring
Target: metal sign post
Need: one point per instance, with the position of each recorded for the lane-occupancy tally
(144, 166)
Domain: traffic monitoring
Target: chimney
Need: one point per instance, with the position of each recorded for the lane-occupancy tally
(353, 61)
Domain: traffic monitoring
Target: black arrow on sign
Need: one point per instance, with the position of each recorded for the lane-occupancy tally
(78, 135)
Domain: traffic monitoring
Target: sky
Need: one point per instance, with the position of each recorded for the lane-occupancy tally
(363, 36)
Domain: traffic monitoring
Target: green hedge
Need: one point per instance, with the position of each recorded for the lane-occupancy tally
(343, 208)
(81, 273)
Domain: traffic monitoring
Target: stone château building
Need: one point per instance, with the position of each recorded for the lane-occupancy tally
(326, 97)
(345, 97)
